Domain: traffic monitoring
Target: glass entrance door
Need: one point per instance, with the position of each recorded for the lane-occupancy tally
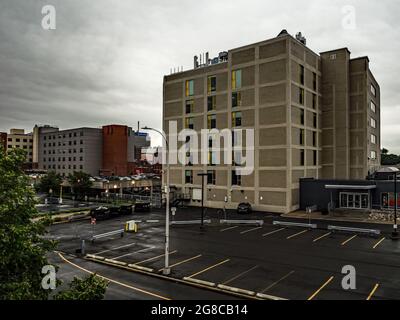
(351, 200)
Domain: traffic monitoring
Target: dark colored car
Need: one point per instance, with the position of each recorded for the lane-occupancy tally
(142, 207)
(244, 208)
(114, 211)
(100, 213)
(125, 209)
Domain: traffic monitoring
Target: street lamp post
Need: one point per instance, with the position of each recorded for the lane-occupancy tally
(166, 269)
(202, 175)
(395, 233)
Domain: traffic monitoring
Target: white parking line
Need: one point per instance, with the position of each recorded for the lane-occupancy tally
(251, 230)
(230, 228)
(132, 253)
(273, 232)
(116, 248)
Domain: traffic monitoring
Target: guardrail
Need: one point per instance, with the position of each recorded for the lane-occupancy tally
(295, 224)
(190, 222)
(355, 230)
(255, 222)
(107, 234)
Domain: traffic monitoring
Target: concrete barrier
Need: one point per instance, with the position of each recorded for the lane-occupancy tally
(202, 282)
(244, 222)
(92, 256)
(134, 266)
(269, 297)
(236, 290)
(355, 230)
(294, 224)
(189, 222)
(120, 263)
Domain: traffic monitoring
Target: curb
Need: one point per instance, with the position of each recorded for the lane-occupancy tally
(238, 290)
(268, 297)
(135, 266)
(202, 282)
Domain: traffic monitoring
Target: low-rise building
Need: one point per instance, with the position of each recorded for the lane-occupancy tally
(18, 139)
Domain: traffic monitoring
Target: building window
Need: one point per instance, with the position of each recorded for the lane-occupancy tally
(211, 103)
(18, 140)
(373, 139)
(236, 99)
(236, 179)
(301, 116)
(314, 139)
(189, 106)
(189, 123)
(373, 90)
(211, 177)
(373, 107)
(236, 79)
(212, 158)
(81, 134)
(189, 88)
(373, 155)
(302, 157)
(301, 137)
(314, 157)
(301, 74)
(314, 81)
(236, 119)
(301, 96)
(314, 101)
(211, 121)
(373, 123)
(237, 158)
(211, 84)
(314, 120)
(189, 176)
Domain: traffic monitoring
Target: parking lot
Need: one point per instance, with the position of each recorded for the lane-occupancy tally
(279, 261)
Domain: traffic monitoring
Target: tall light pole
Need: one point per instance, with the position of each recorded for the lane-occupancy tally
(167, 269)
(395, 233)
(202, 175)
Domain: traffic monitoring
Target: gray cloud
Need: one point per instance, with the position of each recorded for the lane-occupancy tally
(106, 60)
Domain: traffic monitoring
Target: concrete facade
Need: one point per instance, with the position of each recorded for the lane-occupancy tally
(302, 108)
(67, 151)
(18, 139)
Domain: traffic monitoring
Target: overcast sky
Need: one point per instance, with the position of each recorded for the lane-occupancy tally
(106, 59)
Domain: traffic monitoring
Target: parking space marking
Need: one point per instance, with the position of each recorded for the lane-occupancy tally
(230, 228)
(278, 281)
(373, 291)
(322, 237)
(182, 262)
(348, 240)
(240, 275)
(155, 258)
(250, 230)
(114, 281)
(378, 243)
(297, 234)
(209, 268)
(117, 248)
(320, 289)
(273, 232)
(132, 253)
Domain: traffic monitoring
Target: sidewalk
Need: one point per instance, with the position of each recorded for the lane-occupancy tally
(344, 216)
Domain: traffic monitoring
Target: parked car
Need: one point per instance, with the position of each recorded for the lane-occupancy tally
(100, 213)
(244, 208)
(142, 207)
(125, 209)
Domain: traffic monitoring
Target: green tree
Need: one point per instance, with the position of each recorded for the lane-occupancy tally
(80, 183)
(388, 159)
(91, 288)
(51, 181)
(23, 248)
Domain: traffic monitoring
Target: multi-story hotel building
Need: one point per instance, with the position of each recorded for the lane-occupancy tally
(18, 139)
(313, 115)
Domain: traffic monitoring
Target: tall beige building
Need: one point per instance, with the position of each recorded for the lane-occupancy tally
(18, 139)
(313, 115)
